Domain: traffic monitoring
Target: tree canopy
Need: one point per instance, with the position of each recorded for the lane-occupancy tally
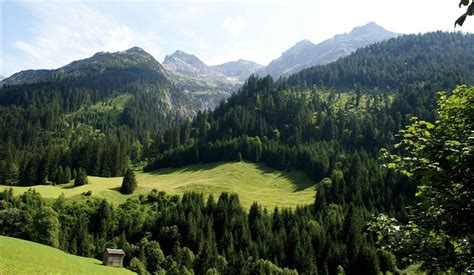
(439, 158)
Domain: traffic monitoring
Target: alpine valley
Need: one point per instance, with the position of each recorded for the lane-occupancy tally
(241, 168)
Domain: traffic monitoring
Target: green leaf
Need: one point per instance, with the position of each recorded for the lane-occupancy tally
(460, 20)
(464, 3)
(392, 166)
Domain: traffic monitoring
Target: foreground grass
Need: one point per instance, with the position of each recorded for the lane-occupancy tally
(253, 182)
(25, 257)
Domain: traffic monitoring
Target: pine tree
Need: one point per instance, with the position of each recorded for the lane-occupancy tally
(320, 201)
(129, 183)
(67, 175)
(81, 178)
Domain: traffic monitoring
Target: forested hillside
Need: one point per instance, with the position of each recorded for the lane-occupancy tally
(333, 136)
(306, 54)
(429, 62)
(283, 118)
(96, 114)
(329, 121)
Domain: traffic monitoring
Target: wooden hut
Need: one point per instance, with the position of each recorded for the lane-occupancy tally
(113, 257)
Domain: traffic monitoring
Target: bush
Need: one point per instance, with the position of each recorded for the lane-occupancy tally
(137, 266)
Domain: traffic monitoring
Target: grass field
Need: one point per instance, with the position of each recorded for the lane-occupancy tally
(24, 257)
(253, 182)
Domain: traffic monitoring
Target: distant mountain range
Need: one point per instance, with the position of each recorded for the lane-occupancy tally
(184, 95)
(305, 54)
(302, 55)
(240, 69)
(190, 65)
(188, 70)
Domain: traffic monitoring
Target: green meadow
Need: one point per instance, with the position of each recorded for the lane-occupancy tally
(253, 182)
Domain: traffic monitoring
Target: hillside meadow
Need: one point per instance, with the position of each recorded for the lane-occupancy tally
(252, 182)
(25, 257)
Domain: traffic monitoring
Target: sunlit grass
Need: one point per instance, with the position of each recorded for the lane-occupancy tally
(253, 182)
(25, 257)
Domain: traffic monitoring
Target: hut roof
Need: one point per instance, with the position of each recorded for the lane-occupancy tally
(115, 251)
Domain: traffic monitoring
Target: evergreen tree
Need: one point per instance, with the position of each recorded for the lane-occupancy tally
(129, 183)
(154, 256)
(81, 178)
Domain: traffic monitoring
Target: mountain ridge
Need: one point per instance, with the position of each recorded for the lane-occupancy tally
(192, 66)
(240, 69)
(305, 54)
(187, 64)
(97, 63)
(302, 55)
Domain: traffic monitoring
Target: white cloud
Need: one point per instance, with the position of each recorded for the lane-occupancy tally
(234, 25)
(70, 31)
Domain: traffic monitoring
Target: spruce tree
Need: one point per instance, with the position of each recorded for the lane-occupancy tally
(129, 183)
(81, 178)
(67, 175)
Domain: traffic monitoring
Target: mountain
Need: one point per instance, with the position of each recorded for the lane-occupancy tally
(230, 73)
(240, 69)
(134, 57)
(134, 61)
(398, 71)
(188, 65)
(27, 76)
(432, 61)
(305, 54)
(106, 103)
(97, 64)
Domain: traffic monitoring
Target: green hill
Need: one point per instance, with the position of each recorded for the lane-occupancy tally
(25, 257)
(253, 182)
(110, 100)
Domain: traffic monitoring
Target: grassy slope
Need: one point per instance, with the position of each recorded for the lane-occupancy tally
(24, 257)
(253, 182)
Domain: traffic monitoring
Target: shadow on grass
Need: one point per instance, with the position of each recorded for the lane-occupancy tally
(299, 180)
(68, 186)
(117, 189)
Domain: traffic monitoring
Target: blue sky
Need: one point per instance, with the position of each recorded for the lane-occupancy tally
(49, 34)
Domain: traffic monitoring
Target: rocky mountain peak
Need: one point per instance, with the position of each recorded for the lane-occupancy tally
(371, 29)
(136, 50)
(305, 54)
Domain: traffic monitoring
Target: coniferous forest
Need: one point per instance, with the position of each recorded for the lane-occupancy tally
(330, 121)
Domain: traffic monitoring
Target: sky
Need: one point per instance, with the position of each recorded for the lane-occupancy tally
(50, 34)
